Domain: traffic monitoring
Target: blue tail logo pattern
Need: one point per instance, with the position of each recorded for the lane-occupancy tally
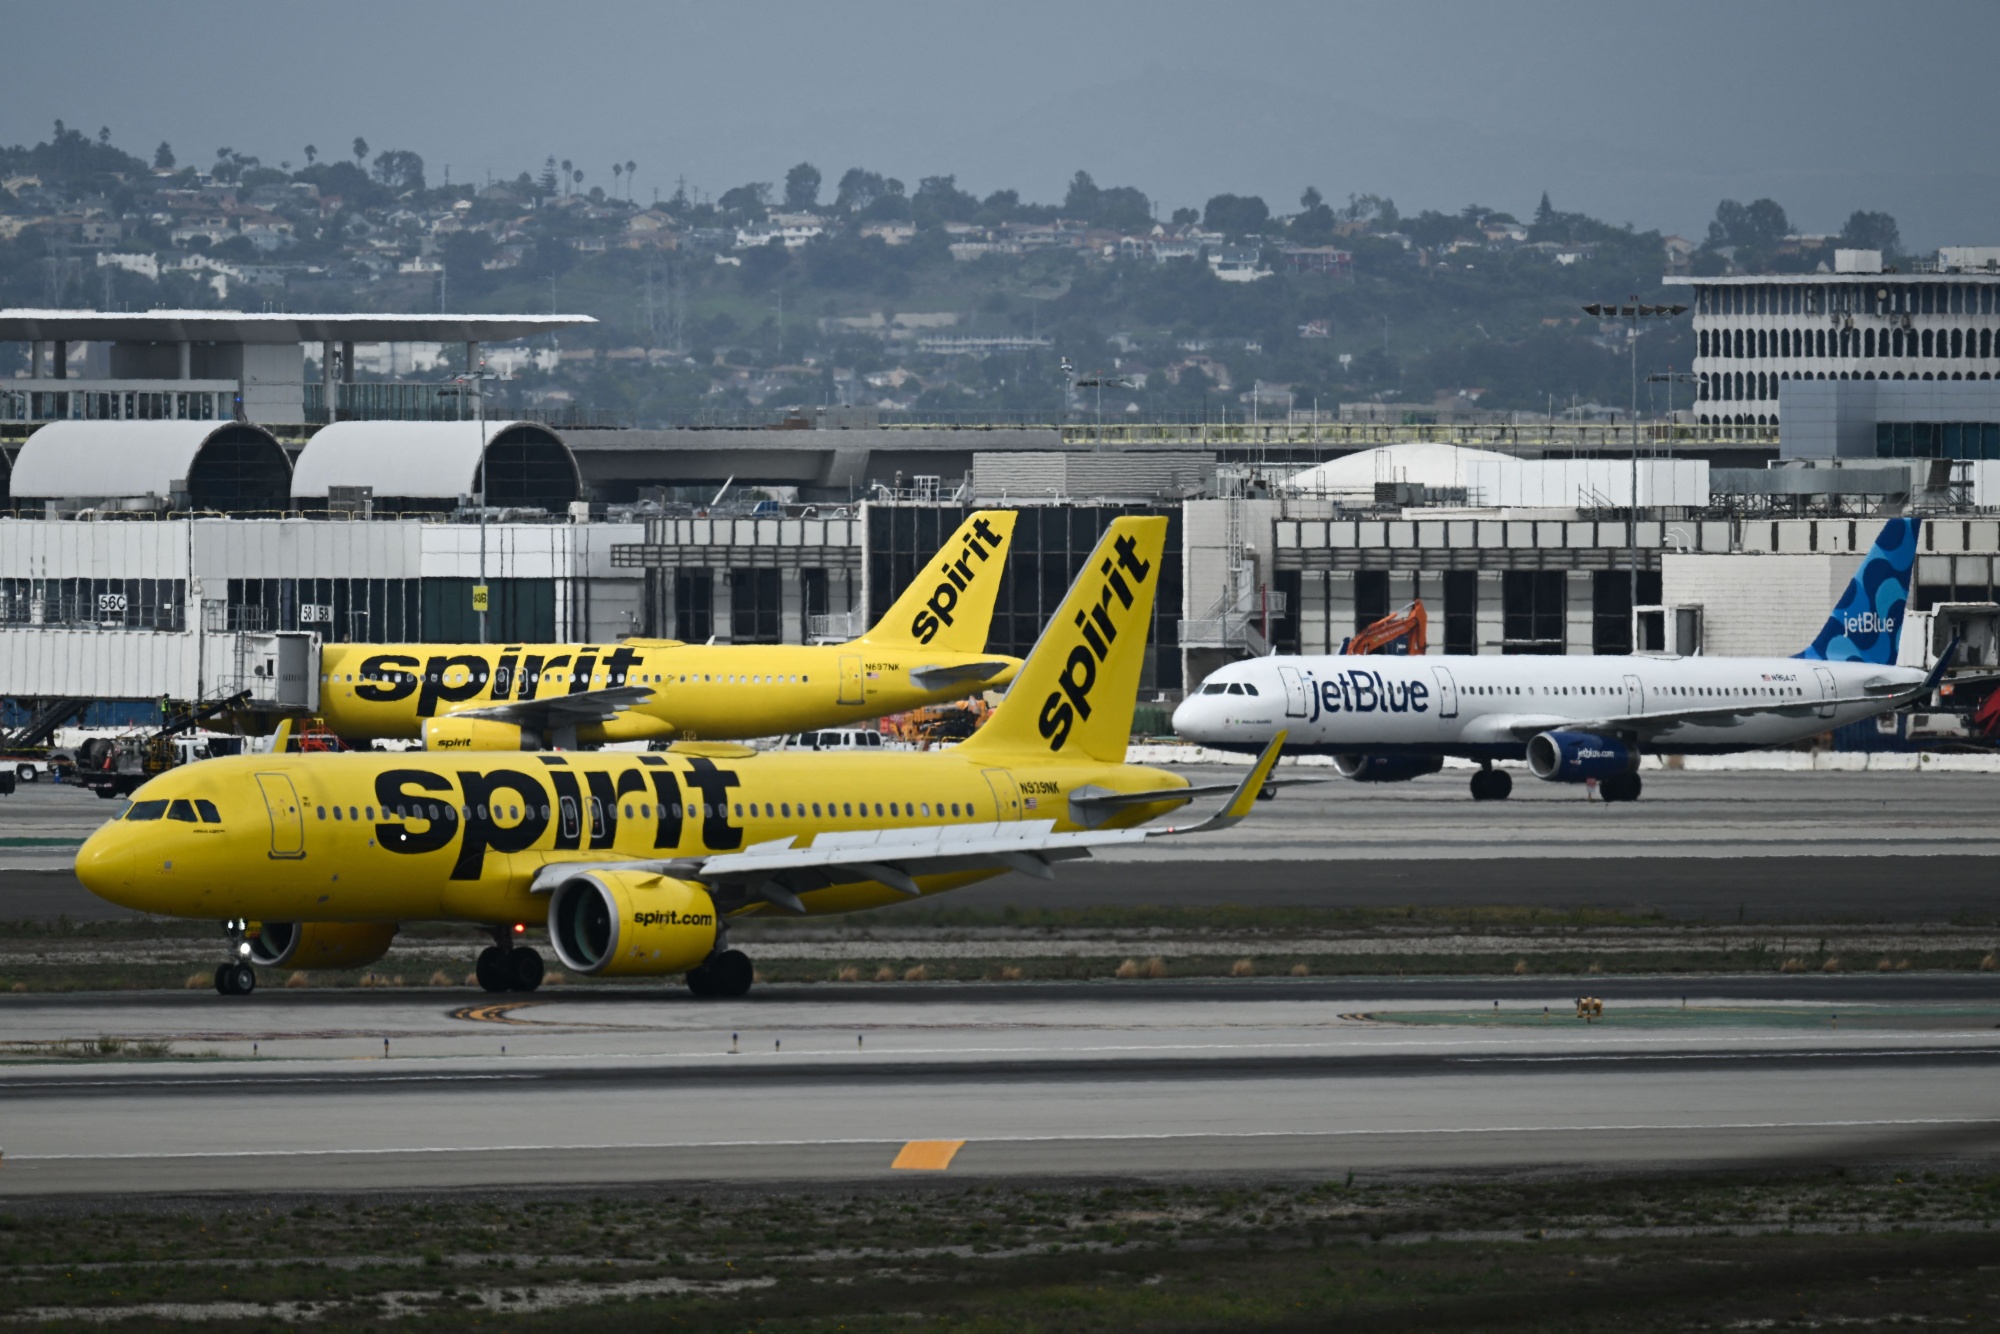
(1864, 622)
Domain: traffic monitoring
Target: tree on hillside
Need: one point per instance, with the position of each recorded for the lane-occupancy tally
(748, 203)
(1081, 201)
(858, 189)
(1871, 231)
(1236, 215)
(938, 199)
(360, 149)
(802, 188)
(399, 169)
(1759, 225)
(163, 157)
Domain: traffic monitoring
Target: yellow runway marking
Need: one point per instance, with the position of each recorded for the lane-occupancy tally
(927, 1155)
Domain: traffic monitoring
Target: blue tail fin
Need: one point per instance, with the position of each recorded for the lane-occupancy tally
(1865, 621)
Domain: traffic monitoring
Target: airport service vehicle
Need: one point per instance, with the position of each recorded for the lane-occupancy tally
(638, 862)
(1574, 719)
(929, 647)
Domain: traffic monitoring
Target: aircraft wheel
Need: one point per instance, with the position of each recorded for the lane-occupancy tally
(1492, 785)
(524, 969)
(224, 976)
(733, 973)
(1619, 787)
(492, 970)
(236, 979)
(700, 982)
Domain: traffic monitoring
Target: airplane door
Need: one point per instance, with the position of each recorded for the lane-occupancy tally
(288, 822)
(850, 678)
(1295, 692)
(571, 825)
(1006, 797)
(1447, 693)
(1828, 691)
(1635, 695)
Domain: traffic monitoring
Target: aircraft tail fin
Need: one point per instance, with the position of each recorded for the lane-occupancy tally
(1075, 694)
(949, 603)
(1865, 622)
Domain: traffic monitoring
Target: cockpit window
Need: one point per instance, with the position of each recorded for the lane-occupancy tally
(182, 809)
(1236, 688)
(1215, 688)
(1249, 689)
(147, 810)
(209, 814)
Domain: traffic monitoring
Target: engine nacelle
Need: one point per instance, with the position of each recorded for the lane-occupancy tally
(449, 733)
(1386, 768)
(630, 924)
(319, 944)
(1576, 757)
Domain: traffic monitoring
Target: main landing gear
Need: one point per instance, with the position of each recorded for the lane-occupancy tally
(505, 966)
(1490, 784)
(1619, 787)
(727, 974)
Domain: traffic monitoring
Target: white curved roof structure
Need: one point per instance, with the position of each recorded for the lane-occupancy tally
(436, 461)
(1421, 462)
(130, 459)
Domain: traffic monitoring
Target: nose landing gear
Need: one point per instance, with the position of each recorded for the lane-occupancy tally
(235, 979)
(1490, 784)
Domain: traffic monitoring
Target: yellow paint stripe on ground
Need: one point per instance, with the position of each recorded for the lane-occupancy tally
(927, 1155)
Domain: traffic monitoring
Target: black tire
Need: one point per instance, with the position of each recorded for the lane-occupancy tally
(243, 979)
(700, 982)
(491, 969)
(225, 979)
(1491, 785)
(732, 973)
(1619, 787)
(524, 969)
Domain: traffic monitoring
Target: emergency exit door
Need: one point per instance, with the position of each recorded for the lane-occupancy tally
(288, 822)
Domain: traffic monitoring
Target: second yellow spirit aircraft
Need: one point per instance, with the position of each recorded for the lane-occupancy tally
(928, 649)
(637, 863)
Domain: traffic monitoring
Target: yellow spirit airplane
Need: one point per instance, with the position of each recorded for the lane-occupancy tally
(638, 862)
(928, 649)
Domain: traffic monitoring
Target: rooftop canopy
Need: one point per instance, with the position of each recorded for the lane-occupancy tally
(428, 465)
(235, 326)
(1438, 466)
(229, 466)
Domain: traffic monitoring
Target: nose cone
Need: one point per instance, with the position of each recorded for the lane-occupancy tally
(1188, 719)
(105, 864)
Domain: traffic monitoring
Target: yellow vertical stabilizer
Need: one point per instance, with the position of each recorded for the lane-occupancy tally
(1074, 695)
(949, 603)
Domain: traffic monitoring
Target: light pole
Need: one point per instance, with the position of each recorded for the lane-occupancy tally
(1100, 382)
(1633, 311)
(469, 383)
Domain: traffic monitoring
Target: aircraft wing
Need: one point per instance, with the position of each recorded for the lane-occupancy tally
(938, 678)
(779, 870)
(586, 706)
(1658, 721)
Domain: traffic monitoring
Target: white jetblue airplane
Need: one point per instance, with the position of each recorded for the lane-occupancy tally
(1574, 719)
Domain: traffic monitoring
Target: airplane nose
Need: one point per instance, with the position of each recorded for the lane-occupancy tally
(1187, 719)
(104, 865)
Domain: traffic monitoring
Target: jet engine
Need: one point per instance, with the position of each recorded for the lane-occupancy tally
(319, 944)
(1386, 768)
(1576, 757)
(449, 733)
(609, 923)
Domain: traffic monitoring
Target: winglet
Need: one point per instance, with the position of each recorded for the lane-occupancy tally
(1247, 792)
(1942, 666)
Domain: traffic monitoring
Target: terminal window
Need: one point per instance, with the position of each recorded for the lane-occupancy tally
(1937, 440)
(104, 604)
(1534, 606)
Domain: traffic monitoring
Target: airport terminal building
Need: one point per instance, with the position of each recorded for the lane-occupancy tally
(151, 553)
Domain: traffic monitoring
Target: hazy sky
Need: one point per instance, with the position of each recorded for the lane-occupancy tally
(1647, 114)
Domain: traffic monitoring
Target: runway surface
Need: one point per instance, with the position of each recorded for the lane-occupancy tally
(1754, 846)
(1073, 1080)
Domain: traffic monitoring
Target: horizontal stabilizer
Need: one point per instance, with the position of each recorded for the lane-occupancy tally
(939, 678)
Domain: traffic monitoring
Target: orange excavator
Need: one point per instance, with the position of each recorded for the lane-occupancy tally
(1401, 634)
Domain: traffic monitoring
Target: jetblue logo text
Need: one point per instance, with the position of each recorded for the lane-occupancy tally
(958, 574)
(1366, 692)
(1070, 700)
(1869, 623)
